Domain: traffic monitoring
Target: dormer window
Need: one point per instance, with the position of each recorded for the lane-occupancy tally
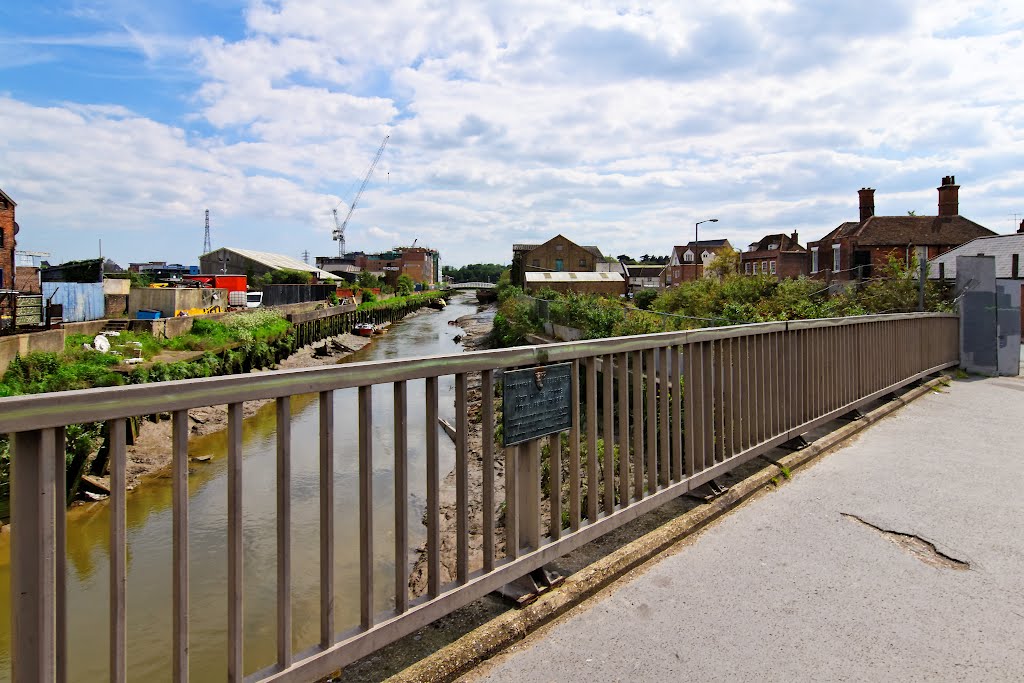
(772, 246)
(705, 256)
(688, 256)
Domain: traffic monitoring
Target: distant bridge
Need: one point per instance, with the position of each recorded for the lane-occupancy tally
(472, 285)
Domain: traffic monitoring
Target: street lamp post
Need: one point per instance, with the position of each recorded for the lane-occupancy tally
(695, 239)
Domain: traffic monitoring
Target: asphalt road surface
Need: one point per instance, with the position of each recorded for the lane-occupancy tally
(807, 583)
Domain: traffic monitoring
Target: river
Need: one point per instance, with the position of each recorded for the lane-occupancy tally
(149, 530)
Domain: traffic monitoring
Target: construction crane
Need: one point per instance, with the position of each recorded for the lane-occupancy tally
(339, 228)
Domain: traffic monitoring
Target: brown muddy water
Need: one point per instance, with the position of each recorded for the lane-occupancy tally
(149, 530)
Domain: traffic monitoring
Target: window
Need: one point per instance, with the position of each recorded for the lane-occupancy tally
(755, 267)
(559, 265)
(773, 267)
(747, 268)
(814, 259)
(764, 266)
(583, 263)
(772, 246)
(536, 263)
(688, 256)
(835, 258)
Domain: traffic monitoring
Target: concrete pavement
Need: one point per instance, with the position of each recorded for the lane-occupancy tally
(805, 582)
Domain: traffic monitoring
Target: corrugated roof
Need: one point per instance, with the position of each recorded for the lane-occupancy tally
(280, 261)
(1003, 247)
(574, 277)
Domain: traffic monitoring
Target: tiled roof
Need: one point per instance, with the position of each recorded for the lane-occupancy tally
(784, 241)
(904, 230)
(7, 197)
(530, 247)
(1003, 247)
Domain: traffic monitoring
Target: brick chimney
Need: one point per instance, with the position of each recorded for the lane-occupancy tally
(867, 203)
(949, 202)
(1021, 228)
(796, 241)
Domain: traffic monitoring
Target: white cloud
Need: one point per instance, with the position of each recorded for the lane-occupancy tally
(616, 125)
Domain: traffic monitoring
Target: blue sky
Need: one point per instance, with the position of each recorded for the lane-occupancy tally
(617, 124)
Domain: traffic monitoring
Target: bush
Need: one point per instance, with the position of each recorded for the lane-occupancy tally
(644, 298)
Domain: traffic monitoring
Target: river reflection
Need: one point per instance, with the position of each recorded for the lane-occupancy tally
(149, 530)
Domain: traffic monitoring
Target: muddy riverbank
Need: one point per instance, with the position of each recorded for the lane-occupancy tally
(477, 328)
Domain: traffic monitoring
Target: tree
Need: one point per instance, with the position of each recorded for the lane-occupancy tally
(724, 263)
(286, 276)
(405, 285)
(368, 280)
(644, 298)
(474, 272)
(625, 258)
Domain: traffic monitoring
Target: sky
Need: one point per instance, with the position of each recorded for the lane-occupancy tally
(615, 124)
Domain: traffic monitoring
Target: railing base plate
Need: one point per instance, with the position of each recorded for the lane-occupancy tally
(797, 443)
(526, 589)
(707, 491)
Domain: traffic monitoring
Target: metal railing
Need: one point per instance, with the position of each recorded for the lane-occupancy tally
(747, 389)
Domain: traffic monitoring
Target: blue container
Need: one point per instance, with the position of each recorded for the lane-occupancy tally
(147, 314)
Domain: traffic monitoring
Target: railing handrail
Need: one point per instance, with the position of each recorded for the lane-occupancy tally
(57, 409)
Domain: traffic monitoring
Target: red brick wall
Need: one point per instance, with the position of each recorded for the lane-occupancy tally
(787, 263)
(7, 243)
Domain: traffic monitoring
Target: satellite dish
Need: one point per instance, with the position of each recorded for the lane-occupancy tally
(101, 344)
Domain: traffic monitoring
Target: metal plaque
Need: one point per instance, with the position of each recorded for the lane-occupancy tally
(536, 402)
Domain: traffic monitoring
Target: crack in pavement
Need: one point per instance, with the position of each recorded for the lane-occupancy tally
(918, 547)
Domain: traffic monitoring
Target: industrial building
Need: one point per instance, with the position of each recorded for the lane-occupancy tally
(231, 261)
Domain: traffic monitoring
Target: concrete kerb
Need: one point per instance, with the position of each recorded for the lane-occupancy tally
(505, 630)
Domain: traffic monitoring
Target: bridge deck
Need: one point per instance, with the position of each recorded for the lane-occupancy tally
(811, 569)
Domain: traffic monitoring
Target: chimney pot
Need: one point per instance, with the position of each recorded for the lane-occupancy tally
(867, 203)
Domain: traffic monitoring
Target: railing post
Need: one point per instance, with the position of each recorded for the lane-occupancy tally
(34, 497)
(529, 493)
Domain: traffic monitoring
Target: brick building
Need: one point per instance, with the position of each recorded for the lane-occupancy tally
(780, 255)
(687, 262)
(559, 254)
(854, 249)
(419, 263)
(8, 229)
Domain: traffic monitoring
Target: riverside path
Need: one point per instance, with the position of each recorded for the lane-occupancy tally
(898, 557)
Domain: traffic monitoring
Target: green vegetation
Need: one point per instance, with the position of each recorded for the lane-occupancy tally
(396, 302)
(474, 272)
(368, 280)
(405, 285)
(285, 276)
(82, 368)
(729, 299)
